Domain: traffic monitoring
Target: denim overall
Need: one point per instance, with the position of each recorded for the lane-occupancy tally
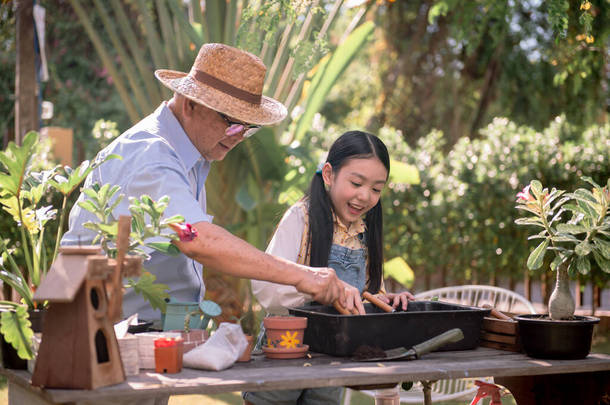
(350, 266)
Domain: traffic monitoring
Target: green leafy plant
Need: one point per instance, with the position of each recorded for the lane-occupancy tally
(575, 227)
(463, 204)
(147, 225)
(23, 195)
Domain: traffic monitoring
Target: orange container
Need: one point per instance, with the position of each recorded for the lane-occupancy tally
(168, 355)
(246, 355)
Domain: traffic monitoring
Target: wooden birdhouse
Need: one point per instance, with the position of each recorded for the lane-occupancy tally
(79, 348)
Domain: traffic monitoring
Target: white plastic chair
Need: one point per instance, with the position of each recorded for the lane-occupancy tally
(479, 295)
(472, 295)
(442, 390)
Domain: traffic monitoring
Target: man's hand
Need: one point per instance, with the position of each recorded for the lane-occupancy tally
(325, 287)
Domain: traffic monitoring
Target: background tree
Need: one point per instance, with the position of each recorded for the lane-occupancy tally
(452, 65)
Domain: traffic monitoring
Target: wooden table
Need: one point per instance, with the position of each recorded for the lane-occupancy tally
(532, 381)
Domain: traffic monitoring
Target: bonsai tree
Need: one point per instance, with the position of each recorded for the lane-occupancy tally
(575, 227)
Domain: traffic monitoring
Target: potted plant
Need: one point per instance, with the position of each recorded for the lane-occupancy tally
(24, 195)
(575, 227)
(147, 225)
(25, 262)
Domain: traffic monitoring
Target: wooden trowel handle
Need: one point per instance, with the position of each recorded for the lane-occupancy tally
(497, 314)
(452, 335)
(342, 310)
(377, 302)
(115, 287)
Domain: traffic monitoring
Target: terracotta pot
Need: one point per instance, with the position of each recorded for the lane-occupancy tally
(293, 353)
(246, 355)
(285, 333)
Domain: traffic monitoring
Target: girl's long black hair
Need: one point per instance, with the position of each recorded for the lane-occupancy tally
(350, 145)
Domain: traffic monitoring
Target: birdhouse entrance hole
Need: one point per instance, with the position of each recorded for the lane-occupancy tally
(96, 297)
(101, 347)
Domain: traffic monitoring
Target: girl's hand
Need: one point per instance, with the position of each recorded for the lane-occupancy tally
(395, 299)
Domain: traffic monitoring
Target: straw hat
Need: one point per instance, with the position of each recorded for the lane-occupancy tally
(227, 80)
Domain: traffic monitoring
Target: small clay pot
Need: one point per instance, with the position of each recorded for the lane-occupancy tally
(285, 333)
(246, 355)
(168, 355)
(296, 353)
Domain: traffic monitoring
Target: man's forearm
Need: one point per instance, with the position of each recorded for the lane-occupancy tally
(219, 250)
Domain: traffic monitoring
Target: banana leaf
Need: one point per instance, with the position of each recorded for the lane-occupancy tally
(17, 330)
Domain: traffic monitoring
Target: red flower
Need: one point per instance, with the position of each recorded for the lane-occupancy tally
(186, 232)
(524, 195)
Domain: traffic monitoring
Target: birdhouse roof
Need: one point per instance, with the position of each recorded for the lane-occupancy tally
(66, 274)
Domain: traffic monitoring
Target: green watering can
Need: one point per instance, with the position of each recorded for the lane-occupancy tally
(200, 314)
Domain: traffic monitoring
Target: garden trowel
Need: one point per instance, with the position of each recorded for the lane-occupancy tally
(401, 353)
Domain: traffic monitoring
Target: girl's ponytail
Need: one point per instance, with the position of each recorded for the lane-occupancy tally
(320, 223)
(374, 244)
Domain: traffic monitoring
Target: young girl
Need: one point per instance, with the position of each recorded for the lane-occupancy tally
(337, 224)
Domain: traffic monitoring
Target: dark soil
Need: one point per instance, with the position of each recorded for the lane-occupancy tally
(365, 352)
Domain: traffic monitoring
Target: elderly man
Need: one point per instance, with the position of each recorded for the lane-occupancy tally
(215, 106)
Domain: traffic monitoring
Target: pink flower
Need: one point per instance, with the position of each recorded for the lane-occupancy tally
(185, 232)
(524, 195)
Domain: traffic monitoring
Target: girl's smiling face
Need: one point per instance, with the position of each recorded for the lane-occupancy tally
(356, 187)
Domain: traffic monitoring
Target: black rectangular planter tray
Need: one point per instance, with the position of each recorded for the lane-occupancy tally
(340, 335)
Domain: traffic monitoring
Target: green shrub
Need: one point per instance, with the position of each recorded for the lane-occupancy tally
(458, 222)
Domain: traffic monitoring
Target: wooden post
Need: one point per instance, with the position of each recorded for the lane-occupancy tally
(26, 102)
(578, 295)
(115, 284)
(63, 140)
(544, 288)
(527, 285)
(493, 280)
(596, 298)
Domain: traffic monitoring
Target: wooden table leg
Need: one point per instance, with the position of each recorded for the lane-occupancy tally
(557, 389)
(387, 396)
